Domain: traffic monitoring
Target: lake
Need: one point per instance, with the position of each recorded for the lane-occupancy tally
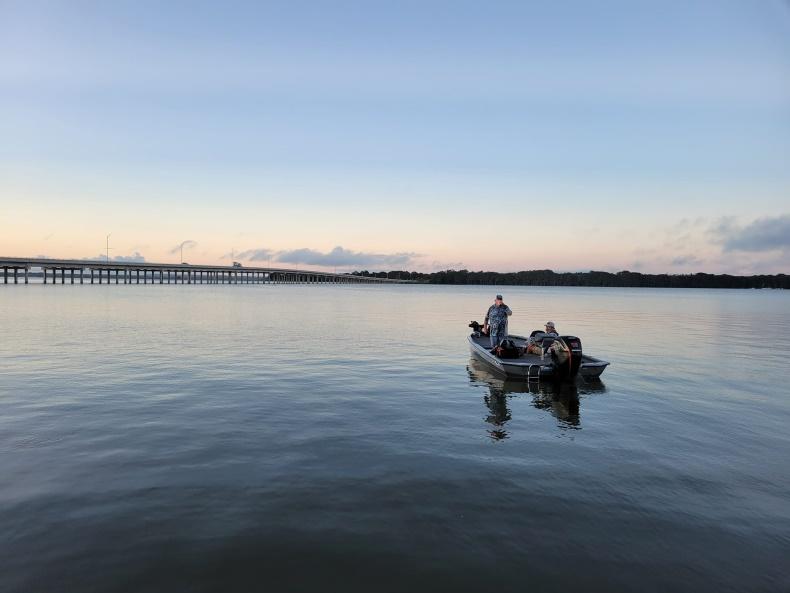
(340, 438)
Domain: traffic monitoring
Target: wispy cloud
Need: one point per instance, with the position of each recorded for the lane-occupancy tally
(339, 256)
(437, 266)
(255, 254)
(188, 244)
(763, 234)
(343, 257)
(727, 244)
(135, 257)
(687, 260)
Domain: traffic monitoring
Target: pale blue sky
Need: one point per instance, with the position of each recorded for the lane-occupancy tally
(398, 128)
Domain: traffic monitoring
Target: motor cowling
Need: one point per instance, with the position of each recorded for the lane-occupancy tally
(567, 357)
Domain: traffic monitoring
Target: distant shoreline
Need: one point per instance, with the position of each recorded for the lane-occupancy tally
(623, 279)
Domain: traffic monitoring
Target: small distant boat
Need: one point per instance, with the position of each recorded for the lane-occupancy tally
(566, 359)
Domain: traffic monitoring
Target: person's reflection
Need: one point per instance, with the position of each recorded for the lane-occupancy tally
(496, 401)
(560, 398)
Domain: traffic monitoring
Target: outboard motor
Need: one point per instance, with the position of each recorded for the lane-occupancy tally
(567, 355)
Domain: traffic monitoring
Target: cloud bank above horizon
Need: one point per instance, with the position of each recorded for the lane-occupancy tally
(338, 256)
(760, 246)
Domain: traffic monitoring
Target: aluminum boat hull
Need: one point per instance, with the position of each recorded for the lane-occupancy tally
(529, 366)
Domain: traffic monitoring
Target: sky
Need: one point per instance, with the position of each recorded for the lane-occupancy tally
(570, 135)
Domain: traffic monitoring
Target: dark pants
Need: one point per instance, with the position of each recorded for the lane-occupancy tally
(496, 339)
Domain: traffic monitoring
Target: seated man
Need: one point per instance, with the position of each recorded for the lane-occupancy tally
(533, 345)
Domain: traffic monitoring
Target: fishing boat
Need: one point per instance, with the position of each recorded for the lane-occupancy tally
(552, 356)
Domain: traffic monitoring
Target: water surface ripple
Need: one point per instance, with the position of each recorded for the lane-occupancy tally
(326, 438)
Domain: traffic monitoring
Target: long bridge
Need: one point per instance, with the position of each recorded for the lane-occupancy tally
(20, 269)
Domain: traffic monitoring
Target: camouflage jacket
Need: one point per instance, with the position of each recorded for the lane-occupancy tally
(496, 318)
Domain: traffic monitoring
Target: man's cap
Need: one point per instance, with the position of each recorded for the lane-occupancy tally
(549, 324)
(499, 297)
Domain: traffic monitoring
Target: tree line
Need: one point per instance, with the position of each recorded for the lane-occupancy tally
(623, 279)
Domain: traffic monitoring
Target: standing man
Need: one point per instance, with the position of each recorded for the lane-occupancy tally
(495, 324)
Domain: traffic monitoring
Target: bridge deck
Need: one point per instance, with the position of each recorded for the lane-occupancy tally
(164, 273)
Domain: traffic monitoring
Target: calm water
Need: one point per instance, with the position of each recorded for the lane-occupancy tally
(303, 438)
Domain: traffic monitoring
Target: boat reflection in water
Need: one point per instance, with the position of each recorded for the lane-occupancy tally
(560, 398)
